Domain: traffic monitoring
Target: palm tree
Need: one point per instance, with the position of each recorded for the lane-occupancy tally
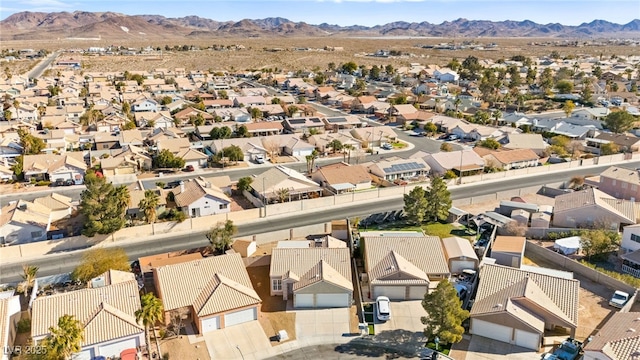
(28, 279)
(497, 114)
(347, 150)
(457, 103)
(283, 194)
(437, 102)
(150, 312)
(628, 72)
(66, 339)
(121, 194)
(148, 205)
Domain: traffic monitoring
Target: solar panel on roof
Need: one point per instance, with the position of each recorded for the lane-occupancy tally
(297, 121)
(315, 120)
(337, 120)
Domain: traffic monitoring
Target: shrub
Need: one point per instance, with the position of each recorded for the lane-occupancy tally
(625, 278)
(450, 174)
(43, 183)
(24, 326)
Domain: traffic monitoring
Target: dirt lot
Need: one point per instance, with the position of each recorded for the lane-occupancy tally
(273, 316)
(180, 348)
(594, 309)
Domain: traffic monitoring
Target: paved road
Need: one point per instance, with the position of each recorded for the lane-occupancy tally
(37, 71)
(64, 262)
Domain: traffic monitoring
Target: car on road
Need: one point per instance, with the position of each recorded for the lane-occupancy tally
(619, 299)
(383, 308)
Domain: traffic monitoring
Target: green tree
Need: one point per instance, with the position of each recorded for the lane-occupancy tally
(568, 107)
(619, 121)
(256, 113)
(349, 67)
(7, 115)
(454, 64)
(439, 200)
(244, 183)
(596, 71)
(151, 311)
(446, 147)
(489, 144)
(444, 314)
(166, 160)
(609, 149)
(335, 145)
(29, 274)
(415, 205)
(223, 132)
(230, 153)
(148, 204)
(99, 260)
(283, 194)
(103, 205)
(599, 243)
(374, 74)
(242, 131)
(275, 101)
(18, 168)
(221, 235)
(65, 339)
(166, 100)
(430, 128)
(546, 80)
(291, 110)
(320, 79)
(31, 145)
(564, 87)
(496, 114)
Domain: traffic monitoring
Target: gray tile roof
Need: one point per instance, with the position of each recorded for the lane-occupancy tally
(619, 338)
(309, 265)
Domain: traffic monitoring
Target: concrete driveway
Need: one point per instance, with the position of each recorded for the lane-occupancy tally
(322, 326)
(246, 340)
(405, 315)
(485, 348)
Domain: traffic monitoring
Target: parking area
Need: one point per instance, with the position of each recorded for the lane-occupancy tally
(322, 326)
(479, 347)
(405, 315)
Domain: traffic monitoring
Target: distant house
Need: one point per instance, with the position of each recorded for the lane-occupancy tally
(24, 221)
(617, 339)
(220, 296)
(304, 125)
(403, 267)
(197, 198)
(342, 177)
(463, 162)
(145, 105)
(61, 206)
(106, 141)
(374, 136)
(620, 183)
(516, 306)
(510, 159)
(112, 299)
(533, 142)
(624, 142)
(70, 166)
(405, 169)
(268, 185)
(591, 207)
(312, 277)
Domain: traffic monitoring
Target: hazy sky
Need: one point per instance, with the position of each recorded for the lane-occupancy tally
(351, 12)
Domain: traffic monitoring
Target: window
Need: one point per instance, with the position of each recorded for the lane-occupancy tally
(634, 187)
(105, 146)
(223, 206)
(624, 185)
(277, 285)
(635, 237)
(614, 182)
(36, 234)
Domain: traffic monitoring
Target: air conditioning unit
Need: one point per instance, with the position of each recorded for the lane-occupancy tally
(98, 282)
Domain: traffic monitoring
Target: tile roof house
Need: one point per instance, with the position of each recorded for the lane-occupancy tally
(215, 291)
(313, 277)
(461, 161)
(342, 177)
(196, 197)
(374, 136)
(590, 207)
(51, 166)
(624, 142)
(322, 141)
(510, 159)
(106, 311)
(620, 183)
(267, 185)
(517, 306)
(399, 169)
(618, 339)
(61, 206)
(533, 142)
(403, 267)
(9, 317)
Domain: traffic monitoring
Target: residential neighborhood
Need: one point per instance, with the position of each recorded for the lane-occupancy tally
(345, 206)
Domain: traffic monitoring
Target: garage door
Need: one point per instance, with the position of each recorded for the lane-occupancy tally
(210, 324)
(458, 265)
(332, 300)
(84, 355)
(116, 348)
(303, 300)
(527, 339)
(392, 292)
(491, 330)
(417, 292)
(239, 317)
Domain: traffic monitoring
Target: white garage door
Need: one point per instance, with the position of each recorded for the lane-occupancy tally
(303, 300)
(458, 265)
(240, 317)
(491, 330)
(210, 324)
(392, 292)
(84, 355)
(527, 339)
(332, 300)
(115, 349)
(417, 292)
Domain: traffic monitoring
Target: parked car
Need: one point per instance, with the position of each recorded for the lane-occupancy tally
(69, 182)
(259, 159)
(189, 168)
(58, 182)
(568, 350)
(383, 308)
(452, 137)
(619, 299)
(386, 146)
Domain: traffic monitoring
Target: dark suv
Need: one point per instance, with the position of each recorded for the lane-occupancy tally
(69, 182)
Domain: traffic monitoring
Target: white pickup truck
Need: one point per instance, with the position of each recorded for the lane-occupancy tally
(619, 299)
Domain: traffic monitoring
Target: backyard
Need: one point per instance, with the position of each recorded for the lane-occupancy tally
(442, 230)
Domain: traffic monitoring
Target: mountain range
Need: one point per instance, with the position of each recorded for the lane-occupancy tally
(110, 25)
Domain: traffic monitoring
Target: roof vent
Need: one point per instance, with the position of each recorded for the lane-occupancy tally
(631, 330)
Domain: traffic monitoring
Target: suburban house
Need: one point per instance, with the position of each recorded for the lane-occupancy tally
(374, 136)
(297, 147)
(465, 162)
(273, 184)
(9, 317)
(145, 105)
(303, 125)
(337, 123)
(618, 339)
(460, 254)
(322, 141)
(533, 142)
(196, 198)
(70, 166)
(106, 310)
(624, 142)
(342, 177)
(399, 169)
(251, 147)
(517, 306)
(403, 266)
(590, 207)
(106, 141)
(620, 183)
(630, 250)
(508, 250)
(214, 292)
(137, 193)
(313, 277)
(508, 159)
(24, 221)
(10, 147)
(61, 206)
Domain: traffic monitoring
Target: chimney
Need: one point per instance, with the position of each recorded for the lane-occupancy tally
(181, 187)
